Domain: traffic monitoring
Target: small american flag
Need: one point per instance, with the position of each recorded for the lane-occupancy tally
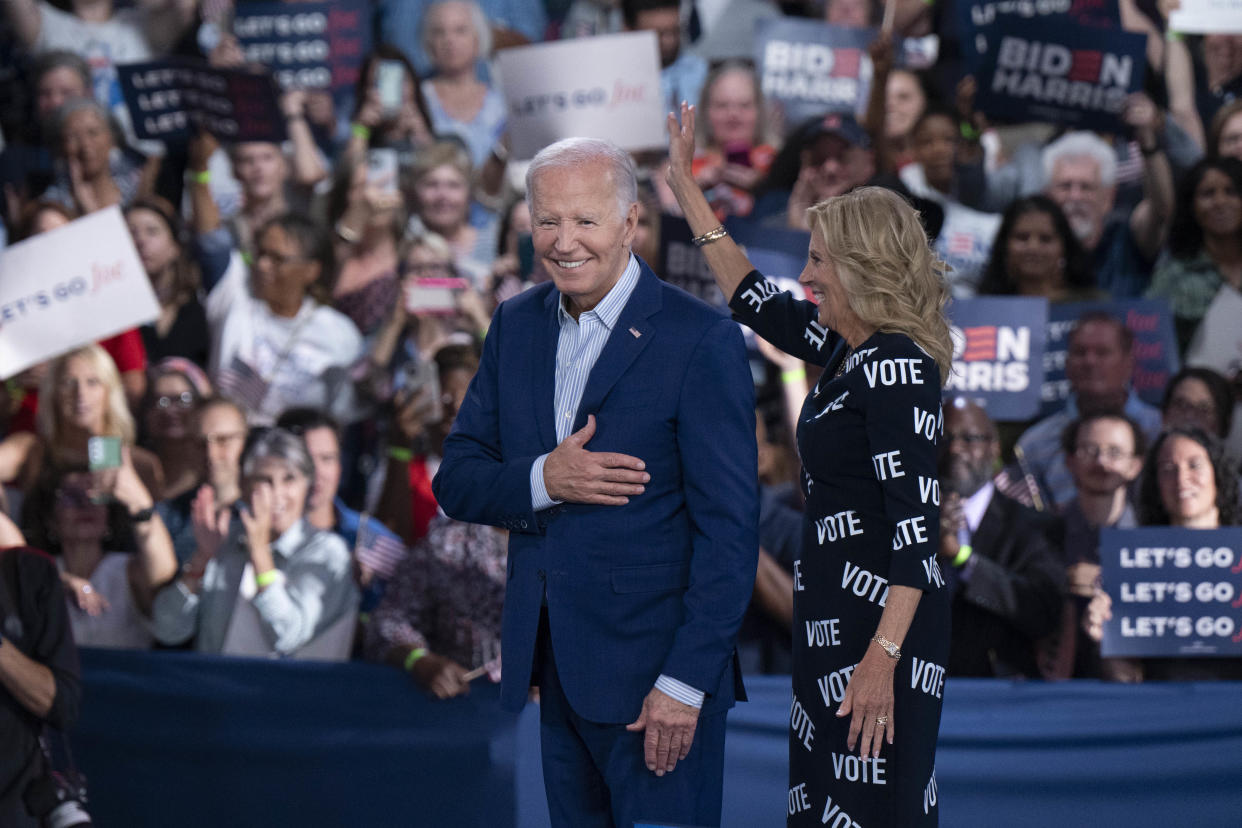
(242, 384)
(378, 551)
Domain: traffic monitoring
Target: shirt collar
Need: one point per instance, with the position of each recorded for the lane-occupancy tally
(608, 310)
(975, 505)
(1129, 407)
(292, 539)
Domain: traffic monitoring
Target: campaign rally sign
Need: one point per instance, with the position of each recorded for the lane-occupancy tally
(811, 68)
(771, 251)
(998, 353)
(306, 45)
(978, 19)
(170, 99)
(598, 87)
(1175, 592)
(1207, 17)
(1155, 346)
(1065, 73)
(1217, 344)
(682, 264)
(68, 287)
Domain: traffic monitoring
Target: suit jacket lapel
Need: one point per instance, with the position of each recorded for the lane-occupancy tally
(988, 535)
(623, 347)
(543, 349)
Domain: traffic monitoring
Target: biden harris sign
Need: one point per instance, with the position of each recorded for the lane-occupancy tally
(1066, 73)
(998, 353)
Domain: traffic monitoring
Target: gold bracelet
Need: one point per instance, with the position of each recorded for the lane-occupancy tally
(710, 236)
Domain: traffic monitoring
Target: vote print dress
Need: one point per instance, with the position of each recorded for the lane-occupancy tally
(867, 439)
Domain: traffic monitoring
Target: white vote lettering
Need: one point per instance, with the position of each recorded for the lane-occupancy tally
(863, 581)
(832, 686)
(910, 531)
(798, 799)
(822, 633)
(887, 465)
(927, 425)
(930, 676)
(899, 371)
(932, 569)
(800, 721)
(834, 527)
(854, 769)
(840, 819)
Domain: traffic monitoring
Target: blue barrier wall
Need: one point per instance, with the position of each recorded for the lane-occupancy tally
(180, 739)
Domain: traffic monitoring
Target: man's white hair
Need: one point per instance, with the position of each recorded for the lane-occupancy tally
(1081, 145)
(572, 152)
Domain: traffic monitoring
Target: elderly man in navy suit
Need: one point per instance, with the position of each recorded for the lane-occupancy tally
(611, 429)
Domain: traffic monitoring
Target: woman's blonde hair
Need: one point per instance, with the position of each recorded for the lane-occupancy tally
(118, 422)
(894, 281)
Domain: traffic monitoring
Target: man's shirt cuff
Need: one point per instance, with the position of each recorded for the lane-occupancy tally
(679, 690)
(539, 499)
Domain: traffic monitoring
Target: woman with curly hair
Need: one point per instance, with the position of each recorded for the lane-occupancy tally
(868, 586)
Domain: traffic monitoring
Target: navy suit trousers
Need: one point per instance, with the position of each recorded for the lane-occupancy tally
(596, 776)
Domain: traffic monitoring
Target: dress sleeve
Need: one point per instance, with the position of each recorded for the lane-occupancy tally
(787, 322)
(903, 427)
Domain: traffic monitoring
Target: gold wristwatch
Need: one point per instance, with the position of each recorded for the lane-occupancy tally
(894, 652)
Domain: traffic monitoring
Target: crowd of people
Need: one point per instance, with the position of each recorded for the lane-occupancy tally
(323, 304)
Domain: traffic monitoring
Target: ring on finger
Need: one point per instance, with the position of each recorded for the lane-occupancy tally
(881, 720)
(86, 589)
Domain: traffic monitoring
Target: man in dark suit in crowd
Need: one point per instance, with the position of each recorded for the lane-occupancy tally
(1006, 579)
(611, 430)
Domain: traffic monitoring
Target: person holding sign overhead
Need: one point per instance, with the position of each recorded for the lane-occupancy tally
(868, 591)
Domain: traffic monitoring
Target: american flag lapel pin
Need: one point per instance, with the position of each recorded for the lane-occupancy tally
(636, 332)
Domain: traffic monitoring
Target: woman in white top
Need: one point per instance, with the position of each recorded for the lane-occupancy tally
(276, 343)
(456, 36)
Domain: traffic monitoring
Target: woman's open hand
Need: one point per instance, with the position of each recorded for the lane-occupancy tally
(680, 146)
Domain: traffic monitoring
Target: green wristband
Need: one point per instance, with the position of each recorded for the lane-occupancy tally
(360, 131)
(793, 375)
(413, 656)
(969, 132)
(265, 579)
(201, 177)
(405, 455)
(964, 552)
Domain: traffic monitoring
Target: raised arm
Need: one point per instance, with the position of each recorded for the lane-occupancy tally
(1179, 79)
(727, 261)
(1149, 222)
(26, 18)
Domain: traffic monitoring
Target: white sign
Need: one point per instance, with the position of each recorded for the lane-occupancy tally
(1207, 17)
(593, 87)
(68, 287)
(1217, 344)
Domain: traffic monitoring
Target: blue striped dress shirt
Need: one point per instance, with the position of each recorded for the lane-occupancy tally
(578, 347)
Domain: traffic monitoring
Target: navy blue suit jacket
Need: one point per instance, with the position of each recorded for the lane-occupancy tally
(658, 585)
